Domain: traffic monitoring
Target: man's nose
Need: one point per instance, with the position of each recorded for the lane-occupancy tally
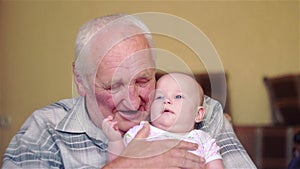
(134, 97)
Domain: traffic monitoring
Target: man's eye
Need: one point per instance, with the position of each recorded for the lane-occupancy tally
(179, 97)
(142, 82)
(114, 88)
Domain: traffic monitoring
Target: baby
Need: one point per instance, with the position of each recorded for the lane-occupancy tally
(177, 106)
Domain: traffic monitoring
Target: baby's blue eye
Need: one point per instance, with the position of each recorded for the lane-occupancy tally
(179, 97)
(159, 97)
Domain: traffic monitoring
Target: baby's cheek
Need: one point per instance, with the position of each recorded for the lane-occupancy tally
(156, 110)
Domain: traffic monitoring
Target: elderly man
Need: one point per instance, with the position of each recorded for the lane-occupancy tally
(114, 71)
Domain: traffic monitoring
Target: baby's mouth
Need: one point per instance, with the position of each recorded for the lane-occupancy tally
(168, 111)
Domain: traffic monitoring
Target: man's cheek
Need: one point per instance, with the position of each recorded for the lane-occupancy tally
(105, 101)
(149, 92)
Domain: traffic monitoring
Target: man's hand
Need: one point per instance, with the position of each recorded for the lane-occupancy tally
(171, 154)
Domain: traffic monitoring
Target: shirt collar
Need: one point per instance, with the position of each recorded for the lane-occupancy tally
(78, 121)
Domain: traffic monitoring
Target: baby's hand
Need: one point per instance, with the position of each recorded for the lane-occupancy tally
(110, 129)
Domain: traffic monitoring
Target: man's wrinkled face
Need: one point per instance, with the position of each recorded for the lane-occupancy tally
(124, 80)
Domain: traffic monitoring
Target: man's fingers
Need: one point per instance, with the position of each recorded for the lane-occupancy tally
(166, 153)
(180, 153)
(153, 148)
(187, 145)
(184, 159)
(186, 163)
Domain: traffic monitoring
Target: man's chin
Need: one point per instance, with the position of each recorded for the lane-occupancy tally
(127, 120)
(124, 126)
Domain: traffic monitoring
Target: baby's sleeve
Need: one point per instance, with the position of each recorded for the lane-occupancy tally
(211, 150)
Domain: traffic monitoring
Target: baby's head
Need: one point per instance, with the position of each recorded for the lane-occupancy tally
(177, 103)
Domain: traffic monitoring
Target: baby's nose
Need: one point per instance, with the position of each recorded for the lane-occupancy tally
(167, 101)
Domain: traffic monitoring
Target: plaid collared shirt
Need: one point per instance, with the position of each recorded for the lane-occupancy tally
(62, 135)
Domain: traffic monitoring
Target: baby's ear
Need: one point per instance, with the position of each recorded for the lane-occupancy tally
(200, 114)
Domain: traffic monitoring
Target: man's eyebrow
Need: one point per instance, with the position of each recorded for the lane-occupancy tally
(145, 73)
(108, 83)
(113, 81)
(105, 83)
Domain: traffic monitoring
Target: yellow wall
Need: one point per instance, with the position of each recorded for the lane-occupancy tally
(253, 39)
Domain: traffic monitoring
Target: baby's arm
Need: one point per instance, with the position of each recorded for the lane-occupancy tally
(209, 149)
(115, 144)
(215, 164)
(212, 154)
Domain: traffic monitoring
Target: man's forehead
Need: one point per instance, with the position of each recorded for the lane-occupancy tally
(113, 70)
(122, 51)
(137, 61)
(110, 36)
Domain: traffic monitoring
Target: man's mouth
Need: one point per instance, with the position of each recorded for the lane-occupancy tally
(131, 114)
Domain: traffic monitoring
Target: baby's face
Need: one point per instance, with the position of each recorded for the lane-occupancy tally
(175, 103)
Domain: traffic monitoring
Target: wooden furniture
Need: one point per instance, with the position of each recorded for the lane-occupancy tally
(284, 98)
(270, 147)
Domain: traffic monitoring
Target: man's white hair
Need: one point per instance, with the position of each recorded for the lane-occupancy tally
(88, 30)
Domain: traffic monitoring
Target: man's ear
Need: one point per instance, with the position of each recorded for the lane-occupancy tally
(200, 114)
(79, 82)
